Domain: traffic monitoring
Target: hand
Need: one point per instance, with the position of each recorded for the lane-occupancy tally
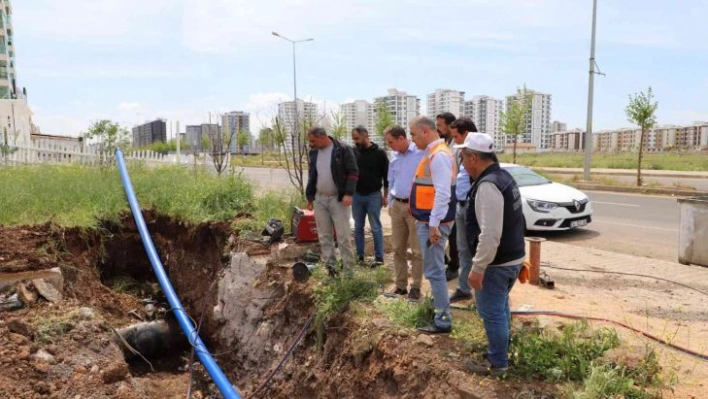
(384, 200)
(434, 235)
(475, 280)
(310, 206)
(347, 200)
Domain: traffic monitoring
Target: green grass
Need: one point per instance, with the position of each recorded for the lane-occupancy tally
(82, 196)
(49, 329)
(686, 161)
(406, 314)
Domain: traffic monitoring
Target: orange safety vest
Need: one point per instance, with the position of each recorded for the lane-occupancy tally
(422, 196)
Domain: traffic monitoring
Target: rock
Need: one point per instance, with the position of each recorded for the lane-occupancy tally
(25, 294)
(17, 339)
(42, 367)
(94, 369)
(86, 313)
(426, 340)
(19, 327)
(44, 356)
(42, 388)
(23, 353)
(115, 372)
(47, 290)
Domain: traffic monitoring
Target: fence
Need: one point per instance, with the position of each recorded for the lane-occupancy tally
(44, 153)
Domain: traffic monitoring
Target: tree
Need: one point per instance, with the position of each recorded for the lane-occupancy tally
(220, 140)
(384, 119)
(339, 125)
(266, 137)
(109, 136)
(5, 148)
(514, 121)
(642, 112)
(242, 140)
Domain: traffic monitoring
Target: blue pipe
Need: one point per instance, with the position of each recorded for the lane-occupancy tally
(207, 360)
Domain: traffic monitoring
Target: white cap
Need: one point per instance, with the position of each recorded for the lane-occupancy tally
(480, 142)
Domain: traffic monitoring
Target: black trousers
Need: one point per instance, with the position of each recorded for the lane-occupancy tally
(452, 259)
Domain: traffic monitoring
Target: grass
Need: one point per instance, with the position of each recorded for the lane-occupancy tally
(685, 161)
(49, 329)
(334, 294)
(404, 313)
(81, 196)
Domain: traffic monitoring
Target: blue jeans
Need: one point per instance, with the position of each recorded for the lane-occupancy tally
(364, 205)
(434, 271)
(493, 307)
(463, 250)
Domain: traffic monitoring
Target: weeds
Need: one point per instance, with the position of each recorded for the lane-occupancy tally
(685, 161)
(48, 329)
(332, 295)
(406, 314)
(566, 356)
(608, 382)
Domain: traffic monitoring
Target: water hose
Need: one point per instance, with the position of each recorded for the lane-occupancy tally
(218, 376)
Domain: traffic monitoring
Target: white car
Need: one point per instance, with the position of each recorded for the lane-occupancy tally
(547, 205)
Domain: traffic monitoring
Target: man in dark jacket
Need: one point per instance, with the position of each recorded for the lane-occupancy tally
(332, 178)
(495, 235)
(372, 162)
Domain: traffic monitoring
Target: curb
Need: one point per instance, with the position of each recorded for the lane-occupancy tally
(638, 190)
(623, 172)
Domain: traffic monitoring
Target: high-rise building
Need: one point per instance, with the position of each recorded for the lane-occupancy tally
(306, 112)
(485, 112)
(8, 74)
(358, 113)
(236, 123)
(445, 100)
(195, 135)
(557, 126)
(402, 106)
(150, 132)
(538, 119)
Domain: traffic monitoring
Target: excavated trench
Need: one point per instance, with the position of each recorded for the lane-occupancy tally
(248, 306)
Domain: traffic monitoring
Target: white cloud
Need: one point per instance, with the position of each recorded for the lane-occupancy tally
(128, 106)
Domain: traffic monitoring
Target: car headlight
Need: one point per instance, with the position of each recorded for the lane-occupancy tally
(542, 206)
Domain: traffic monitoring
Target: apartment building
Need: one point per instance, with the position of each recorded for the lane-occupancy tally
(661, 138)
(557, 126)
(150, 132)
(402, 106)
(566, 141)
(306, 111)
(538, 119)
(235, 123)
(8, 74)
(356, 113)
(486, 111)
(446, 100)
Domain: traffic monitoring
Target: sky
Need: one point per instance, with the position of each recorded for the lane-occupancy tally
(134, 60)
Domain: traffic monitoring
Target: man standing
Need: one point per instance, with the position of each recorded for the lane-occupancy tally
(372, 162)
(442, 123)
(432, 204)
(495, 234)
(460, 128)
(403, 229)
(331, 183)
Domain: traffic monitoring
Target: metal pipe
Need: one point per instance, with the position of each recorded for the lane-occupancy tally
(591, 87)
(535, 258)
(185, 323)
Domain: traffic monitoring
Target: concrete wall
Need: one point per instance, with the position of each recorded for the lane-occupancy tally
(16, 116)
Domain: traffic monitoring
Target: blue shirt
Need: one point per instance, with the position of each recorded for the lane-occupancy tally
(401, 172)
(441, 167)
(463, 180)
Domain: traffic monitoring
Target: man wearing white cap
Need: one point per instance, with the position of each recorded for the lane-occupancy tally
(495, 234)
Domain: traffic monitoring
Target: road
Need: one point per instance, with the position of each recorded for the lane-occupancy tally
(627, 223)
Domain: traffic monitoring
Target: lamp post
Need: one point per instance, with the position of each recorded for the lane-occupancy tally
(591, 86)
(294, 42)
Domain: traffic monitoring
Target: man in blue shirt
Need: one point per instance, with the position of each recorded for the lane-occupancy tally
(460, 127)
(401, 171)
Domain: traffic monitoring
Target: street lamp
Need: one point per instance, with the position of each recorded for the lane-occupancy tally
(591, 86)
(294, 42)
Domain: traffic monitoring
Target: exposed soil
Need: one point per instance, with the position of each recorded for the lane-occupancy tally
(249, 320)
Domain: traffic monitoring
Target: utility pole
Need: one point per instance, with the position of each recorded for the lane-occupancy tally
(591, 87)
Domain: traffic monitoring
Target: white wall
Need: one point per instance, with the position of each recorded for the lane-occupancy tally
(16, 116)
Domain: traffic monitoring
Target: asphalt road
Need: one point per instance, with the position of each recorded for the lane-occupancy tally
(627, 223)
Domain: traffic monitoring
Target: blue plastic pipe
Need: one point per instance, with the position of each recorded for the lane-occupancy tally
(207, 360)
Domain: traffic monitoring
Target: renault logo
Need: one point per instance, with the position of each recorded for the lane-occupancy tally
(577, 205)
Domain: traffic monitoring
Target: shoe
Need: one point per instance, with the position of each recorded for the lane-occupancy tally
(414, 294)
(451, 274)
(485, 368)
(377, 262)
(400, 291)
(434, 329)
(360, 260)
(459, 296)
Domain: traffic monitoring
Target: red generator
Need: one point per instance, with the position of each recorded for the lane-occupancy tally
(304, 226)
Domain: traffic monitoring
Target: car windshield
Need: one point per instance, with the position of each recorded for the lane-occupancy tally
(526, 177)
